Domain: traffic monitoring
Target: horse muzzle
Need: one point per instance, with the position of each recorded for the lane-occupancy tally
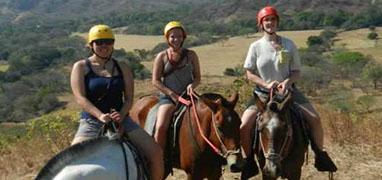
(272, 169)
(235, 162)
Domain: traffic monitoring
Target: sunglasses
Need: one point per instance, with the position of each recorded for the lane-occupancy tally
(100, 42)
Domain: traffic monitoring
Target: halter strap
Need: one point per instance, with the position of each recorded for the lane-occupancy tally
(224, 152)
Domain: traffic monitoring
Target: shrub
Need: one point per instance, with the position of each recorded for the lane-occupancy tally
(314, 40)
(314, 79)
(236, 71)
(372, 72)
(372, 36)
(366, 102)
(340, 100)
(349, 64)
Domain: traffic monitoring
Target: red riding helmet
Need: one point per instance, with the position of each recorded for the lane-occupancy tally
(266, 11)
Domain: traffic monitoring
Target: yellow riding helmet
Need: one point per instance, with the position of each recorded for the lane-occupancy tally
(172, 25)
(100, 31)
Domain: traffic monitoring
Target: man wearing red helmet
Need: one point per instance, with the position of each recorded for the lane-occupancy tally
(273, 62)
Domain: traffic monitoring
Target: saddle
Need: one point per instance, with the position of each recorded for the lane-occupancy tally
(172, 143)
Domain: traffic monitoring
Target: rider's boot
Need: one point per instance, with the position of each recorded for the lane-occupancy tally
(323, 162)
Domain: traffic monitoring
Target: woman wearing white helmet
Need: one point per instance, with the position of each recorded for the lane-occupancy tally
(175, 70)
(273, 61)
(104, 89)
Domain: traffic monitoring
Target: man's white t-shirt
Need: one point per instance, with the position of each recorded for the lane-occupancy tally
(263, 58)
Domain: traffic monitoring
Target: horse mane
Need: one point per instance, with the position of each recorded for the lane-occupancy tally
(214, 97)
(66, 156)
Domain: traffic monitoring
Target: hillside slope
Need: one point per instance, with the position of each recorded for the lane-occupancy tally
(191, 11)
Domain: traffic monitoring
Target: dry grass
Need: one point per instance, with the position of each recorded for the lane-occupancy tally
(215, 58)
(357, 41)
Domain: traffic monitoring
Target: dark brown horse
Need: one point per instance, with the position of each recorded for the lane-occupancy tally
(208, 135)
(281, 141)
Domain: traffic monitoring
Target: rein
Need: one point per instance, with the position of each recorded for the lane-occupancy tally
(224, 152)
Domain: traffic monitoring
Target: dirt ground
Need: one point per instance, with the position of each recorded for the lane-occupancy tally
(354, 163)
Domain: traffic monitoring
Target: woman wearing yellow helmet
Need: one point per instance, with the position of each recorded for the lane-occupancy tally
(175, 70)
(104, 88)
(273, 62)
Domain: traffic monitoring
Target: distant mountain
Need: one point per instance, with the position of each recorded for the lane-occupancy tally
(214, 8)
(148, 16)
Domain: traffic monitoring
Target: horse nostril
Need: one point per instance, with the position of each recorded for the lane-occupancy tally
(273, 106)
(234, 168)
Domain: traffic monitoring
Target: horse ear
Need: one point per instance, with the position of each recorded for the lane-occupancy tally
(213, 105)
(233, 99)
(287, 101)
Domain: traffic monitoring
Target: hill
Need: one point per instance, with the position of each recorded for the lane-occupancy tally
(353, 140)
(216, 16)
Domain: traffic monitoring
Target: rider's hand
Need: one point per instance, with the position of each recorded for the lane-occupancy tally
(189, 89)
(105, 118)
(272, 85)
(283, 86)
(115, 116)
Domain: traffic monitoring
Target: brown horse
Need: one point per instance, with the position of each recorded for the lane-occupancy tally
(208, 135)
(281, 139)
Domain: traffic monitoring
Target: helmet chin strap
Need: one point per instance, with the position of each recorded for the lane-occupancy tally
(101, 57)
(270, 33)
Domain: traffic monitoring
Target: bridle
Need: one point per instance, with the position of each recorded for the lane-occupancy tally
(284, 150)
(223, 151)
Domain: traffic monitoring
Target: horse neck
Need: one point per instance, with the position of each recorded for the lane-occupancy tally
(205, 118)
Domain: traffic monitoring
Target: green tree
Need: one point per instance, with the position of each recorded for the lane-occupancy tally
(373, 73)
(314, 40)
(349, 64)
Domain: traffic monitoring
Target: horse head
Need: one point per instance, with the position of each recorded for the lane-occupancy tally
(224, 128)
(275, 131)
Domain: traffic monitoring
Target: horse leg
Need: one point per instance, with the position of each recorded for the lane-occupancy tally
(215, 174)
(295, 175)
(194, 176)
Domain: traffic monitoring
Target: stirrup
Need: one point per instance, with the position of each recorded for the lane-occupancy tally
(250, 169)
(324, 163)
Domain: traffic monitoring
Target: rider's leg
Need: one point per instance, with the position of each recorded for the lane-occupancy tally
(89, 128)
(314, 123)
(79, 139)
(152, 151)
(248, 120)
(322, 160)
(164, 116)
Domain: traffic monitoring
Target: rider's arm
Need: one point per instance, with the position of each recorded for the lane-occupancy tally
(255, 79)
(293, 77)
(78, 87)
(128, 90)
(158, 74)
(196, 69)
